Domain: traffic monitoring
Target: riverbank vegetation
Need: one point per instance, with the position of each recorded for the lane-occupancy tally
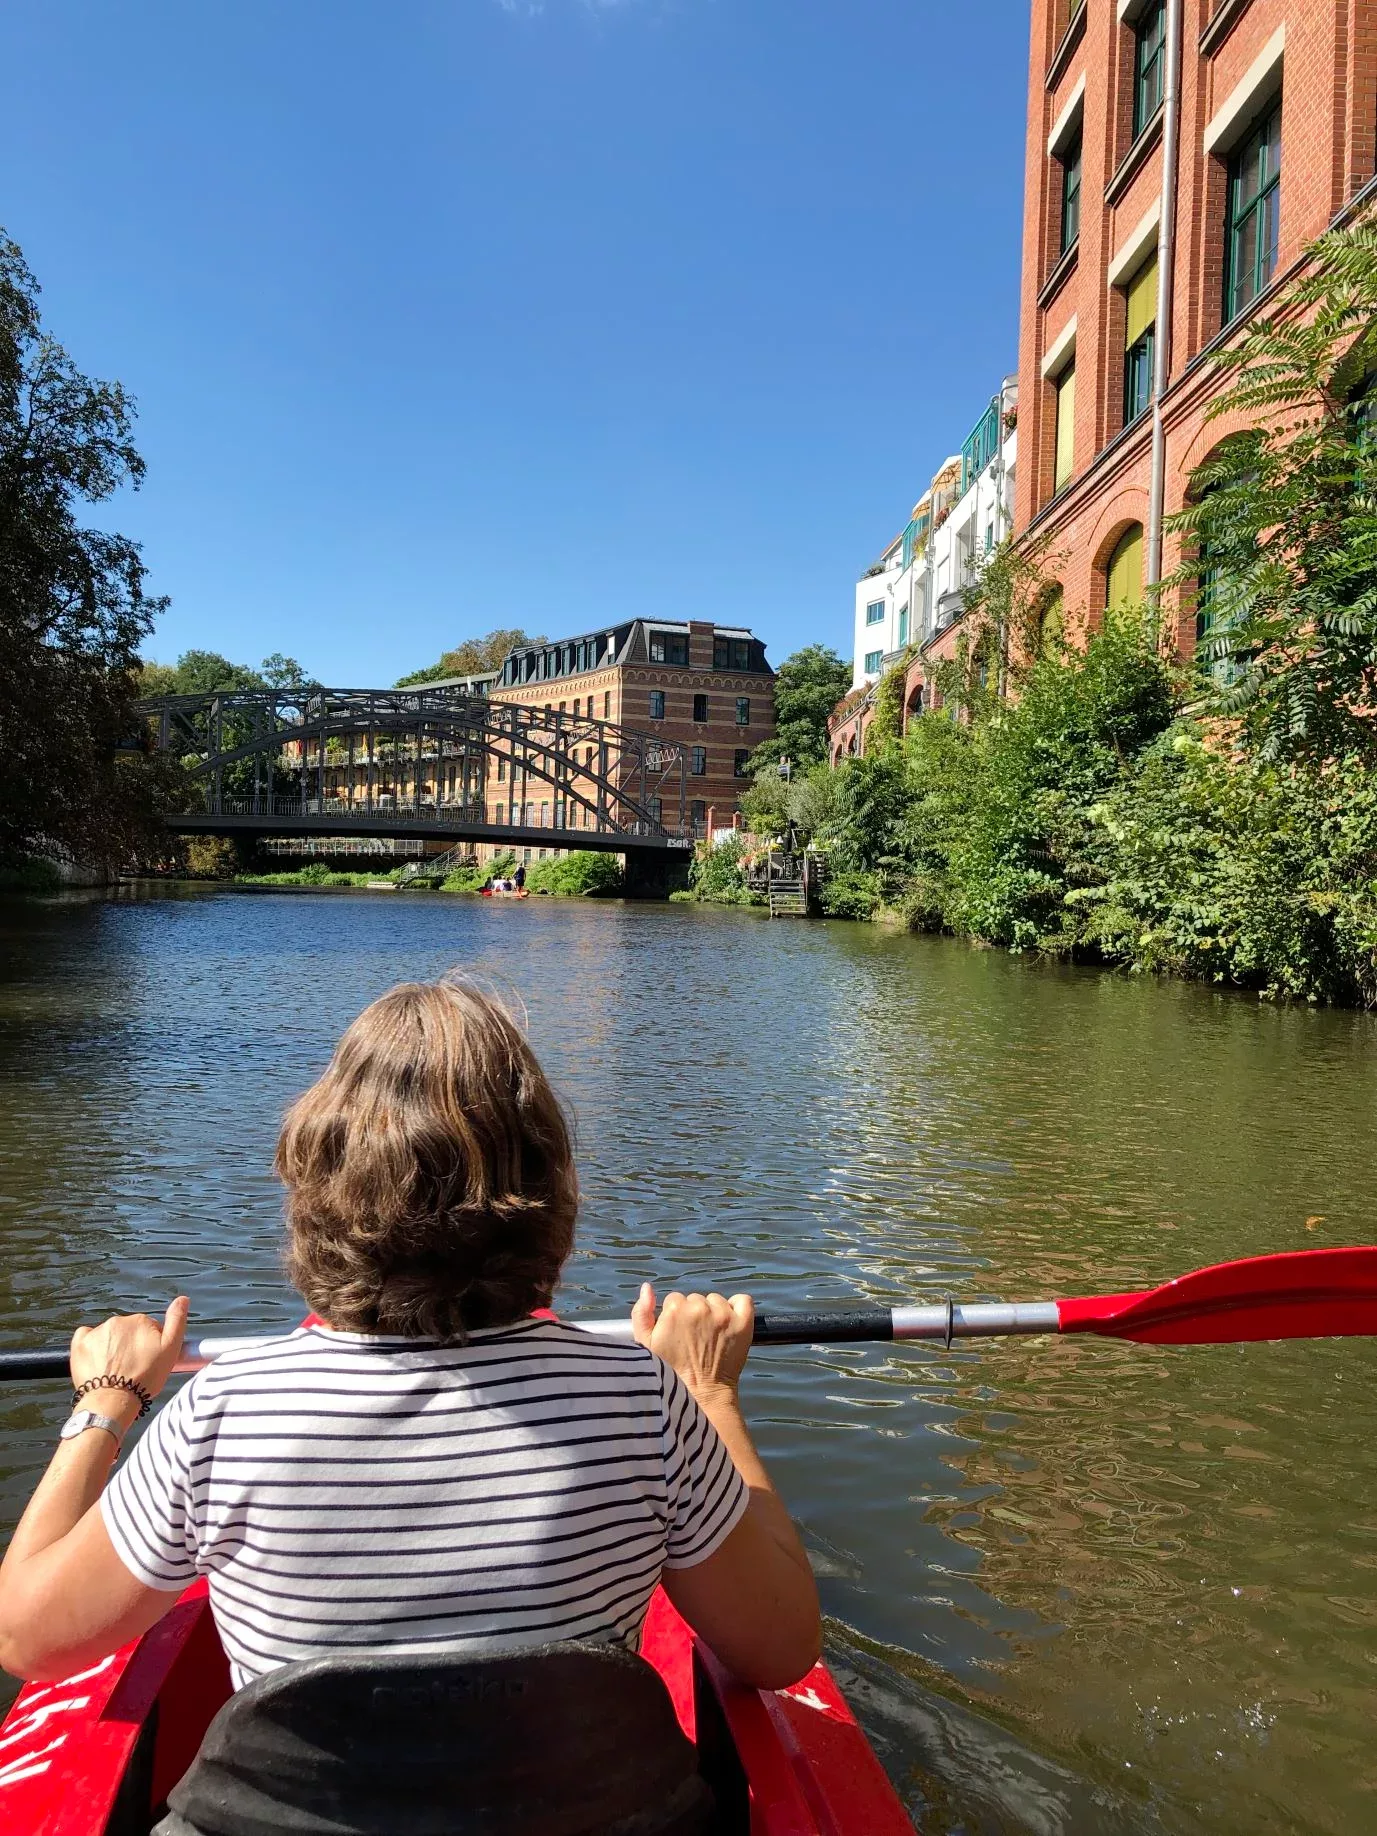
(1102, 800)
(581, 874)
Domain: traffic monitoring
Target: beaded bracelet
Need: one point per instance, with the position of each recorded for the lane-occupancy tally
(115, 1383)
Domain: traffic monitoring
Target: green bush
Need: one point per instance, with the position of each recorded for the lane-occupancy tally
(580, 875)
(850, 895)
(1092, 819)
(716, 875)
(1236, 870)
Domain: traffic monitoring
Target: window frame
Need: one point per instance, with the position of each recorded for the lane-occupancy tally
(1069, 158)
(743, 710)
(698, 762)
(873, 660)
(1263, 208)
(700, 700)
(875, 612)
(660, 643)
(1149, 63)
(739, 762)
(657, 704)
(1061, 480)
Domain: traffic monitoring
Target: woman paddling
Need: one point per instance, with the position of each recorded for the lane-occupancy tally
(428, 1467)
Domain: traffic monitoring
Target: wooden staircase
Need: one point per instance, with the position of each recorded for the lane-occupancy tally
(790, 885)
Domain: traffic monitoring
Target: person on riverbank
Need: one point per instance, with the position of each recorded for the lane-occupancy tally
(519, 878)
(429, 1463)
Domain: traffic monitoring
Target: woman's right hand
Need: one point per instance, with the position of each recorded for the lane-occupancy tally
(129, 1345)
(706, 1338)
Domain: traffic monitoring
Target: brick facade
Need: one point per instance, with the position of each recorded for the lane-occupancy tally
(615, 675)
(1238, 57)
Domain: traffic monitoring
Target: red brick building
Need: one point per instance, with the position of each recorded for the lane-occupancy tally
(1266, 113)
(707, 688)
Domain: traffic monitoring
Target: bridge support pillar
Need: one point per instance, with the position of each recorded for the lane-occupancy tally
(655, 876)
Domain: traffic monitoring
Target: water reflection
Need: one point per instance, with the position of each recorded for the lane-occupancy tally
(1072, 1586)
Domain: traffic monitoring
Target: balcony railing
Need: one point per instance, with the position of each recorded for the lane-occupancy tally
(915, 535)
(980, 446)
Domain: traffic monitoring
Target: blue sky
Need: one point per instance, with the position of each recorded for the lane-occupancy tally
(448, 314)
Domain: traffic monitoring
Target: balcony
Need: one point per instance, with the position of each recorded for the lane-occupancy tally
(980, 446)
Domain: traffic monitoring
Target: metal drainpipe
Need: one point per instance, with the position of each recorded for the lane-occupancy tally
(1166, 277)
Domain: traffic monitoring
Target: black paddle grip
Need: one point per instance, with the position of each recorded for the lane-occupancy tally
(33, 1364)
(830, 1328)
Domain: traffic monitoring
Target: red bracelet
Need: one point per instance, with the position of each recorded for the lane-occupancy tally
(114, 1383)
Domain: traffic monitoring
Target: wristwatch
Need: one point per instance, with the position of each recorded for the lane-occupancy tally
(87, 1418)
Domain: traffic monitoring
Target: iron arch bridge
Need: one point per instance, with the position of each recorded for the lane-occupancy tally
(421, 762)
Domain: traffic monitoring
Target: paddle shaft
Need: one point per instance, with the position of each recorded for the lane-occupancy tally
(942, 1323)
(1294, 1294)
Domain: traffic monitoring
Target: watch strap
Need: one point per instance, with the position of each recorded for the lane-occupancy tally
(89, 1418)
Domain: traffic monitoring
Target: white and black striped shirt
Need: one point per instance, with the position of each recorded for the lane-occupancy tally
(341, 1490)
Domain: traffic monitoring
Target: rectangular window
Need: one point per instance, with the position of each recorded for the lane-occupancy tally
(872, 661)
(700, 761)
(700, 707)
(1139, 341)
(1071, 193)
(739, 758)
(1149, 63)
(743, 710)
(607, 704)
(1066, 429)
(669, 647)
(657, 704)
(698, 809)
(721, 653)
(903, 627)
(501, 767)
(1254, 219)
(875, 612)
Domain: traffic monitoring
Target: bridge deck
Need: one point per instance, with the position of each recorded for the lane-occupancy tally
(432, 825)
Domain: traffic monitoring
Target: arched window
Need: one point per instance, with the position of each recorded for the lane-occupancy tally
(1124, 575)
(1051, 623)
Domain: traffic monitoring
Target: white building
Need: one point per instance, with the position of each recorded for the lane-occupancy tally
(917, 586)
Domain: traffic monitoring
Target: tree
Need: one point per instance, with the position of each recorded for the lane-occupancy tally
(473, 657)
(281, 672)
(1281, 539)
(73, 605)
(808, 685)
(203, 672)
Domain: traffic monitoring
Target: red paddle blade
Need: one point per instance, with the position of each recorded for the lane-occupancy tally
(1301, 1294)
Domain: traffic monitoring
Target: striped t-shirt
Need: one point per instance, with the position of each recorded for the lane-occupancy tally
(343, 1491)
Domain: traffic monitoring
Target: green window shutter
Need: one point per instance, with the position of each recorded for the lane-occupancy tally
(1142, 303)
(1125, 582)
(1066, 428)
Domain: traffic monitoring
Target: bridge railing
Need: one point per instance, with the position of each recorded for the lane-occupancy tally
(427, 810)
(545, 815)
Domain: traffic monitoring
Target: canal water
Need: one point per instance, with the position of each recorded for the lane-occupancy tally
(1070, 1586)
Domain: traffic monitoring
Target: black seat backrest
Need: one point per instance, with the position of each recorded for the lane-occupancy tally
(557, 1740)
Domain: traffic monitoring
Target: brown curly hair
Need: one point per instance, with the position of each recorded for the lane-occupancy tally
(429, 1173)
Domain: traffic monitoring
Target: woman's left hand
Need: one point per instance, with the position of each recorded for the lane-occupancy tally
(131, 1345)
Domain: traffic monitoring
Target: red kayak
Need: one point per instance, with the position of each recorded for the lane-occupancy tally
(97, 1754)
